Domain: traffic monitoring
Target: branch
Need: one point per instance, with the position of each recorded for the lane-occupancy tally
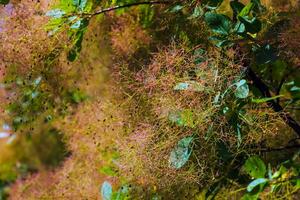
(297, 146)
(127, 6)
(257, 82)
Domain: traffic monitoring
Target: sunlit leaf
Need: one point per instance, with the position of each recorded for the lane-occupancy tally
(242, 89)
(264, 100)
(246, 10)
(122, 194)
(255, 183)
(240, 28)
(107, 170)
(56, 13)
(76, 25)
(181, 153)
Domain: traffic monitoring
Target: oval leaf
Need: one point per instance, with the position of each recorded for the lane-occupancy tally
(56, 13)
(242, 89)
(255, 167)
(220, 24)
(181, 153)
(106, 191)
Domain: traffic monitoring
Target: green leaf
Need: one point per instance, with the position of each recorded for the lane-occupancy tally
(255, 167)
(240, 28)
(181, 153)
(252, 25)
(250, 196)
(182, 118)
(56, 13)
(220, 24)
(264, 100)
(213, 4)
(37, 81)
(76, 48)
(198, 12)
(224, 43)
(246, 10)
(4, 2)
(106, 191)
(122, 194)
(189, 86)
(76, 25)
(255, 183)
(242, 89)
(176, 8)
(82, 5)
(107, 170)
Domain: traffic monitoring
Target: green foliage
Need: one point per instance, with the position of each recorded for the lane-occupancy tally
(4, 2)
(108, 194)
(35, 100)
(181, 153)
(220, 24)
(242, 89)
(257, 182)
(255, 167)
(183, 118)
(69, 13)
(286, 175)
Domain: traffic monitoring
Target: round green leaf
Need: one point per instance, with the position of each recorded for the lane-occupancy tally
(220, 24)
(242, 89)
(255, 167)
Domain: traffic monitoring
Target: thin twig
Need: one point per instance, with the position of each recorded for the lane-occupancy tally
(279, 149)
(125, 6)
